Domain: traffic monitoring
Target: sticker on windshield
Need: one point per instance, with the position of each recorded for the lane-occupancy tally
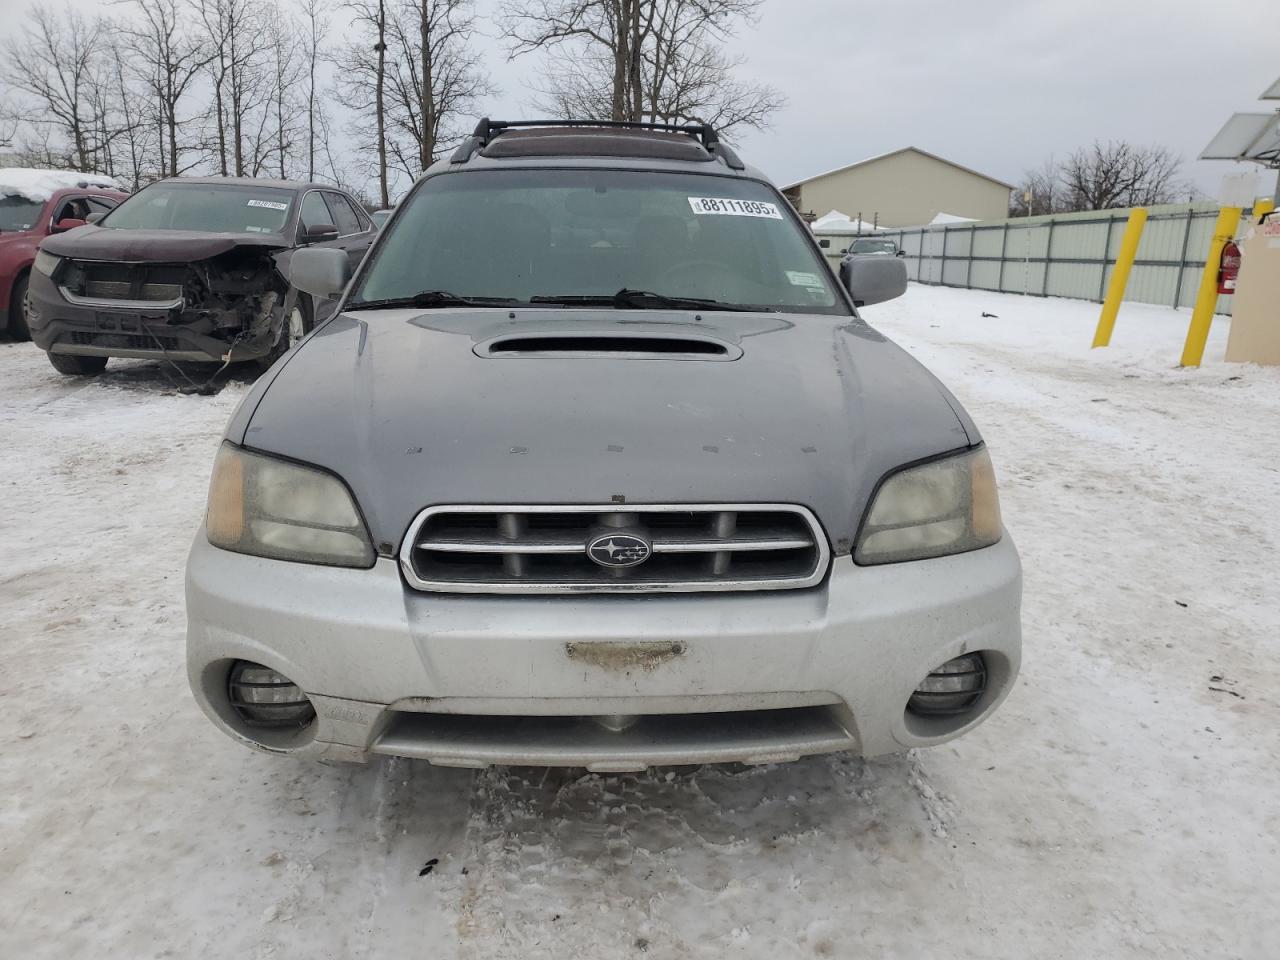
(735, 208)
(269, 204)
(799, 278)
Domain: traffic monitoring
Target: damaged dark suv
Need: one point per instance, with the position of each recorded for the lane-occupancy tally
(189, 269)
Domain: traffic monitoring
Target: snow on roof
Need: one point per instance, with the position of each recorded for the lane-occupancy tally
(837, 222)
(40, 185)
(950, 218)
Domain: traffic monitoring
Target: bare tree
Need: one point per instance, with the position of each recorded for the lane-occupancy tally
(134, 143)
(316, 28)
(660, 60)
(435, 78)
(1120, 174)
(362, 83)
(239, 37)
(168, 59)
(52, 60)
(1044, 187)
(286, 71)
(1101, 177)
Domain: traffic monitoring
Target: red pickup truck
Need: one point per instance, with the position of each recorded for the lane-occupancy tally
(34, 204)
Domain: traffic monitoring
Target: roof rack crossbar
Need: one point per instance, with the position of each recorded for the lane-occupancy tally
(706, 134)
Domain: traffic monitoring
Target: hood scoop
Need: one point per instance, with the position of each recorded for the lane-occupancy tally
(607, 345)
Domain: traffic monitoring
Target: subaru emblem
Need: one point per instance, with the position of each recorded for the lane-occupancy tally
(619, 550)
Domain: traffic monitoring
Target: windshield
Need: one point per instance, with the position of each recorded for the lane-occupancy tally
(210, 208)
(873, 246)
(564, 234)
(18, 214)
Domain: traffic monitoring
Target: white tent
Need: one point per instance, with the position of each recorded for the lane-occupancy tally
(944, 218)
(840, 223)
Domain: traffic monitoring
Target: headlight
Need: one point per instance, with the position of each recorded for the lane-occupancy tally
(273, 508)
(46, 263)
(947, 506)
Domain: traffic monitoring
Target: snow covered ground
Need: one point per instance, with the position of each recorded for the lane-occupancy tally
(1123, 803)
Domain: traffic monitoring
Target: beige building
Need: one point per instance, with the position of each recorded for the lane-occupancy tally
(906, 188)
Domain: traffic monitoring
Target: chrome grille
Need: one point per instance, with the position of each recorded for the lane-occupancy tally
(544, 549)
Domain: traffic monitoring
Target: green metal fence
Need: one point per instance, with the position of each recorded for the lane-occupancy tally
(1064, 255)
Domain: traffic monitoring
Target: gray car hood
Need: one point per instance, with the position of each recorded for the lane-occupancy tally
(815, 412)
(92, 242)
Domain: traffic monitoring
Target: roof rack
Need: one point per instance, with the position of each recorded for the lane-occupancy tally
(486, 130)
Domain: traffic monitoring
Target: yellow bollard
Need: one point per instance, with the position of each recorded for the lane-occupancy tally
(1120, 276)
(1207, 298)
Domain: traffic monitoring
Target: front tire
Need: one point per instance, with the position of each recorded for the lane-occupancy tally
(18, 328)
(73, 366)
(296, 325)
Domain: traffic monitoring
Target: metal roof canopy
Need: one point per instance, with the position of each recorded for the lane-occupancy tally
(1247, 136)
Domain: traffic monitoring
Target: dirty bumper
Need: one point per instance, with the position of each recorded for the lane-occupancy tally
(609, 683)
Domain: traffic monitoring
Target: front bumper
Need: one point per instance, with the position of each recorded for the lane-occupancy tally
(118, 329)
(474, 680)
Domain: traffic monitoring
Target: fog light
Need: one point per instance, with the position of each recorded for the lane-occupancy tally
(951, 688)
(264, 698)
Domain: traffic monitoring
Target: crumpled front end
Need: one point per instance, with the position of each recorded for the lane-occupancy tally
(229, 305)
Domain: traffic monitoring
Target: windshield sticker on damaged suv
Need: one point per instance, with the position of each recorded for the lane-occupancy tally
(800, 278)
(269, 204)
(735, 208)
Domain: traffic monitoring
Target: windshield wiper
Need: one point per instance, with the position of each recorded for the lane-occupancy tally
(627, 298)
(429, 299)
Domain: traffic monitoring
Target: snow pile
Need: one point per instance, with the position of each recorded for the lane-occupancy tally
(1122, 801)
(40, 185)
(837, 222)
(944, 218)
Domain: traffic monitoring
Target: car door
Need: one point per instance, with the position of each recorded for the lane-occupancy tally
(355, 230)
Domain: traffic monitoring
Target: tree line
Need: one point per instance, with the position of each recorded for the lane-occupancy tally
(363, 93)
(1102, 176)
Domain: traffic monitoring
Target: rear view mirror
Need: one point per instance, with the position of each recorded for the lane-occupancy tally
(67, 223)
(320, 233)
(873, 279)
(322, 272)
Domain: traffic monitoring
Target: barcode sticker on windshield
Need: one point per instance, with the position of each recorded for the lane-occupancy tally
(800, 278)
(269, 204)
(735, 208)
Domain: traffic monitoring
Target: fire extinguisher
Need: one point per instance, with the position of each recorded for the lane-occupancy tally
(1229, 268)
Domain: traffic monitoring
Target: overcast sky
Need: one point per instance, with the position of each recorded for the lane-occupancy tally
(997, 85)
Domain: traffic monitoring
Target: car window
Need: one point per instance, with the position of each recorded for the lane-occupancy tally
(76, 208)
(213, 208)
(314, 212)
(100, 204)
(864, 245)
(344, 218)
(18, 214)
(530, 233)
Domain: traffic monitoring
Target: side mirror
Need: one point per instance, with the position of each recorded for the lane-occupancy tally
(873, 279)
(322, 272)
(95, 216)
(901, 253)
(320, 233)
(67, 223)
